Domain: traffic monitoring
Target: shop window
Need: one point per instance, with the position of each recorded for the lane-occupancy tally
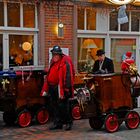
(91, 19)
(80, 18)
(1, 14)
(135, 24)
(118, 48)
(13, 11)
(135, 21)
(87, 48)
(125, 26)
(113, 21)
(20, 50)
(86, 19)
(29, 15)
(1, 52)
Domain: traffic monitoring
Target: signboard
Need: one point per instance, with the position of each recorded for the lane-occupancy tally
(121, 2)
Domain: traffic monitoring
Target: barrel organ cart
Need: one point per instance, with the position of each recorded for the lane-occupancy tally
(110, 99)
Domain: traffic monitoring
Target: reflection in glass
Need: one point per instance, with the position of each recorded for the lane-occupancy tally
(118, 48)
(18, 56)
(29, 15)
(91, 19)
(13, 11)
(87, 48)
(1, 52)
(1, 14)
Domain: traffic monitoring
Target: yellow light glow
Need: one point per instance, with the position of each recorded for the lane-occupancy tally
(26, 46)
(121, 2)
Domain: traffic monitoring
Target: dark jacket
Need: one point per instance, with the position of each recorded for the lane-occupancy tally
(107, 67)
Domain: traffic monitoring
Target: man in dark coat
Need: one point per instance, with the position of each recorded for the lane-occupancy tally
(59, 86)
(103, 65)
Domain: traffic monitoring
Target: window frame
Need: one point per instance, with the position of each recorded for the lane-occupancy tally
(5, 30)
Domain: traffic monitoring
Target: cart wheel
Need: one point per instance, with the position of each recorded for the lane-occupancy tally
(111, 123)
(9, 118)
(132, 120)
(76, 112)
(42, 115)
(96, 123)
(24, 118)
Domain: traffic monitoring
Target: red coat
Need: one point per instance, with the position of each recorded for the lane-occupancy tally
(65, 76)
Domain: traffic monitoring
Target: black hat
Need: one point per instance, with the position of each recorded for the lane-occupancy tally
(100, 52)
(56, 50)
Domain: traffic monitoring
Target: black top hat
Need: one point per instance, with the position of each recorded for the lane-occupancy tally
(100, 52)
(56, 50)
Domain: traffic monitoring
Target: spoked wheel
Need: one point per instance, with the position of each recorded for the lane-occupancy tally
(24, 118)
(111, 123)
(132, 120)
(42, 115)
(9, 118)
(76, 112)
(96, 123)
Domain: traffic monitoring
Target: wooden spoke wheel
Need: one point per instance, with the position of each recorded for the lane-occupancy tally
(132, 120)
(96, 123)
(111, 123)
(24, 118)
(76, 112)
(9, 118)
(42, 115)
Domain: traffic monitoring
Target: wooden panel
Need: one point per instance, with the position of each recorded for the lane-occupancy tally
(111, 92)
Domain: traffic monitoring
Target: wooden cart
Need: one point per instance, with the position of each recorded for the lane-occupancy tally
(107, 100)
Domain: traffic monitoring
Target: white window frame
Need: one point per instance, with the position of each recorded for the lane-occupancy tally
(6, 31)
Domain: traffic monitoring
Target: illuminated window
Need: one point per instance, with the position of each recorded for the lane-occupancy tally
(13, 11)
(1, 14)
(29, 15)
(86, 19)
(18, 56)
(87, 48)
(80, 19)
(118, 48)
(91, 19)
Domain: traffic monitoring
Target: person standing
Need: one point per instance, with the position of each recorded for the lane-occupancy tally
(103, 65)
(58, 85)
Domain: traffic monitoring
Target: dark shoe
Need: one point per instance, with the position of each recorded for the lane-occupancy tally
(54, 127)
(68, 127)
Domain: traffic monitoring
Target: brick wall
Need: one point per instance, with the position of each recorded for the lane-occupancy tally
(51, 21)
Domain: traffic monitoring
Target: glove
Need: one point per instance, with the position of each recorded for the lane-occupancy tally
(44, 93)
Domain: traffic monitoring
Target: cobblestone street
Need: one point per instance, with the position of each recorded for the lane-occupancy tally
(81, 131)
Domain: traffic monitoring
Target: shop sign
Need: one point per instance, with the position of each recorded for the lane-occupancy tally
(121, 2)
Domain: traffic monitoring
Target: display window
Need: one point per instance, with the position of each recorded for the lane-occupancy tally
(87, 48)
(118, 49)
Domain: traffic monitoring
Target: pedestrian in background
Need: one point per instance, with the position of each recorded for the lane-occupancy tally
(59, 86)
(103, 65)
